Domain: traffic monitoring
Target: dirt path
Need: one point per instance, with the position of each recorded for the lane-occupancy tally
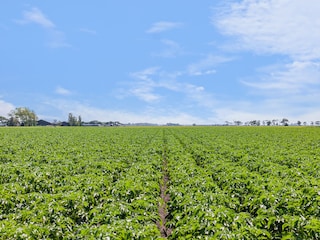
(163, 211)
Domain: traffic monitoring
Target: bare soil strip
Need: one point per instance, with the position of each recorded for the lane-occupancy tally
(165, 197)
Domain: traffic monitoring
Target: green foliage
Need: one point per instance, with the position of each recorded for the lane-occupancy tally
(22, 116)
(92, 183)
(104, 183)
(244, 183)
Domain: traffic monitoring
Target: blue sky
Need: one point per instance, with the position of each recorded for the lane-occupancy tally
(185, 62)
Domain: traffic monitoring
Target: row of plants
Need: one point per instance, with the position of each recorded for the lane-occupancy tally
(244, 183)
(90, 183)
(104, 183)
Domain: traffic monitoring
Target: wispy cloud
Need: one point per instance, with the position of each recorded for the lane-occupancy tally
(172, 49)
(58, 40)
(295, 77)
(288, 29)
(273, 27)
(265, 109)
(145, 74)
(144, 85)
(206, 65)
(62, 91)
(88, 31)
(145, 93)
(36, 16)
(163, 26)
(148, 83)
(149, 114)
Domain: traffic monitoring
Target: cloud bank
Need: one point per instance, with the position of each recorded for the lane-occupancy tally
(274, 27)
(283, 28)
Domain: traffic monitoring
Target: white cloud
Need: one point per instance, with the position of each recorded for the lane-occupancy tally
(36, 16)
(198, 96)
(274, 26)
(149, 115)
(172, 49)
(150, 80)
(163, 26)
(295, 77)
(63, 91)
(145, 74)
(89, 31)
(288, 29)
(231, 115)
(5, 108)
(144, 86)
(145, 93)
(58, 40)
(206, 65)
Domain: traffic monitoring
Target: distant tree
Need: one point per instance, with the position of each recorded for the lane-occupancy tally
(255, 123)
(12, 121)
(3, 119)
(95, 122)
(238, 123)
(79, 121)
(317, 123)
(268, 122)
(275, 122)
(299, 123)
(72, 120)
(284, 122)
(22, 116)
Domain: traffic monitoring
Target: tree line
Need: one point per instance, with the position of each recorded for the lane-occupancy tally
(23, 116)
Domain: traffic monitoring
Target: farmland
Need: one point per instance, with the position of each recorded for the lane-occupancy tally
(110, 183)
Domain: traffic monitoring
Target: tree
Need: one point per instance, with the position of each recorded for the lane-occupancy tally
(255, 123)
(3, 119)
(284, 122)
(238, 123)
(79, 121)
(275, 122)
(22, 116)
(73, 121)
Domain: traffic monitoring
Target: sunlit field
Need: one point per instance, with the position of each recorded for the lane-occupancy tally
(153, 182)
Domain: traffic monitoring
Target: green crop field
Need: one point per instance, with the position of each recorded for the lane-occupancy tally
(160, 182)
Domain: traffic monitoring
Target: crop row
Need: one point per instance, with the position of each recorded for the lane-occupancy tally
(66, 183)
(244, 183)
(104, 183)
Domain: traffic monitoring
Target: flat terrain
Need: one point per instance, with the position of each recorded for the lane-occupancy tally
(160, 182)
